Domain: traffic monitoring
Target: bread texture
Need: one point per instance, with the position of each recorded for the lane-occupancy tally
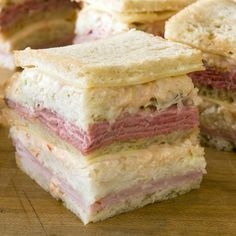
(129, 58)
(141, 6)
(208, 25)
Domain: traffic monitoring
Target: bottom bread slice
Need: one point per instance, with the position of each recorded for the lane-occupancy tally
(120, 202)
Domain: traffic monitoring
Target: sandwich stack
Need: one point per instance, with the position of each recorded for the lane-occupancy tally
(101, 18)
(108, 126)
(34, 23)
(215, 35)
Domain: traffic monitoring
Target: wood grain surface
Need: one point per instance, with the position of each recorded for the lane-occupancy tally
(25, 209)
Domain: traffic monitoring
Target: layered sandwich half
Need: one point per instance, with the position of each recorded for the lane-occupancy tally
(215, 35)
(101, 18)
(35, 24)
(105, 128)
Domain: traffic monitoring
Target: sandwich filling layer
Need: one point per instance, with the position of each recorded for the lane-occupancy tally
(77, 115)
(126, 127)
(216, 78)
(39, 129)
(37, 90)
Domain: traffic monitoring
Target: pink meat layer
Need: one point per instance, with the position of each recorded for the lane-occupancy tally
(229, 135)
(126, 127)
(110, 200)
(215, 78)
(13, 12)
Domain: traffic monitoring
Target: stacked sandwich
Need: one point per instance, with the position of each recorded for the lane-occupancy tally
(34, 23)
(108, 126)
(101, 18)
(215, 35)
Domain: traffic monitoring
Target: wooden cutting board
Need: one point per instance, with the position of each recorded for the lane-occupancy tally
(25, 209)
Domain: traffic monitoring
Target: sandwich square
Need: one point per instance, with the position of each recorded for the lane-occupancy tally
(104, 150)
(100, 19)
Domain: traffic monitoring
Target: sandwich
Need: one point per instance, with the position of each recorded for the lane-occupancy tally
(100, 18)
(35, 24)
(215, 35)
(108, 126)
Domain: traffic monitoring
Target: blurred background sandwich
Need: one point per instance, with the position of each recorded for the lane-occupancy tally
(101, 18)
(35, 24)
(214, 33)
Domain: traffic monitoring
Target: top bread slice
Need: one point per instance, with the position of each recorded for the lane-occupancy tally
(129, 58)
(141, 5)
(208, 25)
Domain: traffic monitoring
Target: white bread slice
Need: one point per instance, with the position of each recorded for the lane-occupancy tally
(140, 5)
(129, 58)
(208, 25)
(129, 17)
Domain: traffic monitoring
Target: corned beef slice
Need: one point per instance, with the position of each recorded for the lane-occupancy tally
(215, 78)
(229, 135)
(126, 127)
